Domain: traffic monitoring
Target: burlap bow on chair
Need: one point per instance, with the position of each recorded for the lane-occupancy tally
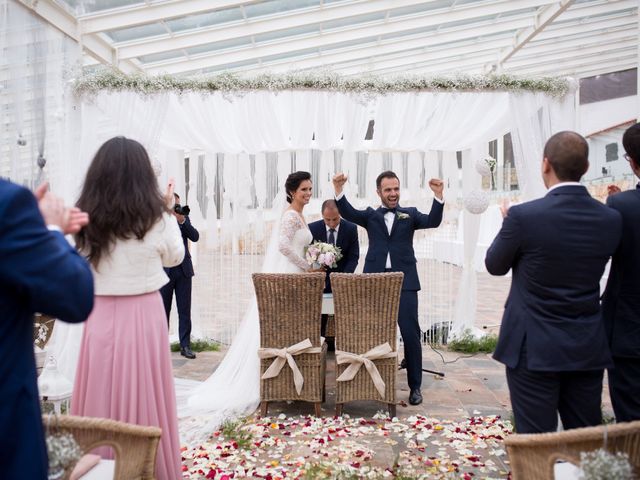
(366, 359)
(283, 355)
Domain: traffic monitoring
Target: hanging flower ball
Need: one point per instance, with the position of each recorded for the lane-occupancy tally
(482, 167)
(476, 201)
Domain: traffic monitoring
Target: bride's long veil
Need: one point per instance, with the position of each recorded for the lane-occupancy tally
(233, 390)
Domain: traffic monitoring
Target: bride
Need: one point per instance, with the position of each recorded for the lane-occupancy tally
(233, 390)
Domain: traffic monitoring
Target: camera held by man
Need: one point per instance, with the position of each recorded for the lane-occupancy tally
(183, 210)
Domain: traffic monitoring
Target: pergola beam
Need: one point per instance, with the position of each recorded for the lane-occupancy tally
(150, 13)
(543, 17)
(388, 46)
(338, 12)
(542, 47)
(437, 56)
(94, 45)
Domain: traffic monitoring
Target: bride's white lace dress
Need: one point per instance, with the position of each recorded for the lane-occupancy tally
(233, 390)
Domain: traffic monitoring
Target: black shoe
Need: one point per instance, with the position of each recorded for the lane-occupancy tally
(415, 397)
(186, 352)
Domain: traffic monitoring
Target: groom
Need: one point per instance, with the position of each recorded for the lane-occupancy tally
(390, 229)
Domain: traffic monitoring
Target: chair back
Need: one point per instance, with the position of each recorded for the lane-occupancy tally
(366, 315)
(289, 307)
(366, 309)
(135, 446)
(533, 456)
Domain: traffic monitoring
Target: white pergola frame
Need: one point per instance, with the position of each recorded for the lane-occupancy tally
(532, 37)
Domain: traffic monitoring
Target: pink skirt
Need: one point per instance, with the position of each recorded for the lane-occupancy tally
(124, 371)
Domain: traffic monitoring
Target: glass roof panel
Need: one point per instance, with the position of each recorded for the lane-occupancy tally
(297, 54)
(349, 43)
(207, 19)
(230, 66)
(81, 7)
(419, 8)
(160, 57)
(413, 31)
(219, 46)
(135, 33)
(350, 21)
(287, 32)
(271, 7)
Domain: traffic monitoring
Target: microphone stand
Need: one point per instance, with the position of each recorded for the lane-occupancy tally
(403, 365)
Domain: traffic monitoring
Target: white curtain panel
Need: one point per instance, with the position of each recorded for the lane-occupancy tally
(466, 299)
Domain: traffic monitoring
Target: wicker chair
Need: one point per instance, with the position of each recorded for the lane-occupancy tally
(533, 456)
(289, 308)
(134, 446)
(366, 314)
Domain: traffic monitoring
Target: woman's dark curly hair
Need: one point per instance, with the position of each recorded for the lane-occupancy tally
(121, 196)
(293, 183)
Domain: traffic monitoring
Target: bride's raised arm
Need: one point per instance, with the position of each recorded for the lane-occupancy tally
(289, 225)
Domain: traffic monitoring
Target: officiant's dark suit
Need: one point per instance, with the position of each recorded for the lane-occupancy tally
(39, 272)
(345, 237)
(391, 249)
(621, 302)
(552, 338)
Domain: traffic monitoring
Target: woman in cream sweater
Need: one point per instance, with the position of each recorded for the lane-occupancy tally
(124, 371)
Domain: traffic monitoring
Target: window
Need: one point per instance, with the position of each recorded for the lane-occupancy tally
(611, 152)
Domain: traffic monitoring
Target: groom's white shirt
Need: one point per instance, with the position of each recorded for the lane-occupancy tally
(389, 217)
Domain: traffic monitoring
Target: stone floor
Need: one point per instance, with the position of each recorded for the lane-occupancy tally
(472, 385)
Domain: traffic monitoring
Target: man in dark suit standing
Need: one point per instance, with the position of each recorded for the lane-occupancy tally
(180, 281)
(344, 235)
(39, 272)
(552, 338)
(621, 303)
(390, 229)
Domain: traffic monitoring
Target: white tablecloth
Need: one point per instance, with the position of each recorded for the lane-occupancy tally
(452, 251)
(327, 304)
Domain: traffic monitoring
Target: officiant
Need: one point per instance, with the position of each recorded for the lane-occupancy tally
(343, 234)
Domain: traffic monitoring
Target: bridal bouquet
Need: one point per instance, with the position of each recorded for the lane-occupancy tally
(320, 254)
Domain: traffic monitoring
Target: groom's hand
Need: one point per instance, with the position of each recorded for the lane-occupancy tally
(339, 179)
(437, 186)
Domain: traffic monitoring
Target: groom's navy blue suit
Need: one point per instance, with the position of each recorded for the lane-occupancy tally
(552, 338)
(399, 245)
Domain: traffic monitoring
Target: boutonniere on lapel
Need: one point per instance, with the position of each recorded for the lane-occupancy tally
(402, 215)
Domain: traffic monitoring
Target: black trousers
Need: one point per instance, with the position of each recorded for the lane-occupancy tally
(537, 398)
(624, 388)
(410, 331)
(181, 285)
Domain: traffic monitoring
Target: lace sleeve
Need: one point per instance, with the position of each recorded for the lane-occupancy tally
(289, 225)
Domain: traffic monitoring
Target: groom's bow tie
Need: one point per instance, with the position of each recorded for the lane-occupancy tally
(388, 210)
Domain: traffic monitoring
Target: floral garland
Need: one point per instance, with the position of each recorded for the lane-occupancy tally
(89, 84)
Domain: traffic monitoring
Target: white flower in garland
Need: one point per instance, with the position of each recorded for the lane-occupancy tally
(476, 201)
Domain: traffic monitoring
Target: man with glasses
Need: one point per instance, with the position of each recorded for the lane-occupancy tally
(621, 302)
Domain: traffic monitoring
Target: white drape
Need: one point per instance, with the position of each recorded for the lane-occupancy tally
(466, 300)
(251, 141)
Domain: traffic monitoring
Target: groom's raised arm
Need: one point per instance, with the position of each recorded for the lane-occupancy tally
(431, 220)
(359, 217)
